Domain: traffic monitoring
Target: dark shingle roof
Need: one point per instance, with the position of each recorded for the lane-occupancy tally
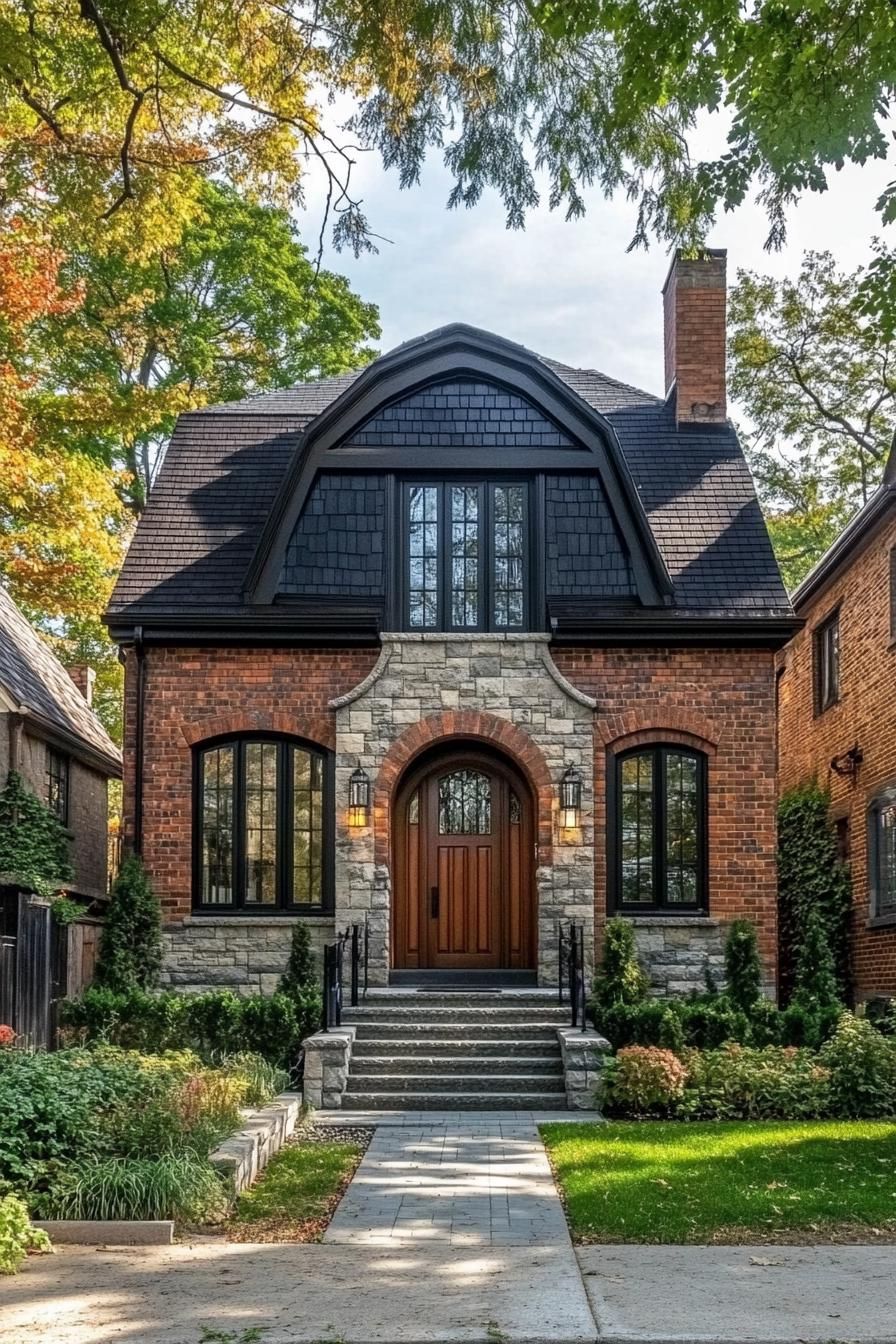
(32, 675)
(223, 469)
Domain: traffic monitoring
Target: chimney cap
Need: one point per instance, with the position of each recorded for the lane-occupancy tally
(703, 257)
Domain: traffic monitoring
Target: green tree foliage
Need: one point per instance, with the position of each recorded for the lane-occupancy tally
(814, 373)
(34, 845)
(812, 882)
(234, 306)
(130, 953)
(743, 972)
(301, 971)
(619, 977)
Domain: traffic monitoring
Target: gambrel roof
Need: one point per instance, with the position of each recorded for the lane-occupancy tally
(231, 480)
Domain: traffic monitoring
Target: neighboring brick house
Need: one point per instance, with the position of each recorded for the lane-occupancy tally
(837, 719)
(50, 734)
(469, 644)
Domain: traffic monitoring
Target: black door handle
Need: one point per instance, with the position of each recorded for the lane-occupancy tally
(434, 902)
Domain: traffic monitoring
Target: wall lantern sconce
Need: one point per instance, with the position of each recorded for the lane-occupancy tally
(570, 799)
(848, 764)
(359, 798)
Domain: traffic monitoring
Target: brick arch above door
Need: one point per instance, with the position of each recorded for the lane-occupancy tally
(471, 726)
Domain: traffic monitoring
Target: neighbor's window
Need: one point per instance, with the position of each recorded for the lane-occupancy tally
(826, 642)
(260, 825)
(57, 784)
(465, 555)
(882, 853)
(893, 593)
(660, 833)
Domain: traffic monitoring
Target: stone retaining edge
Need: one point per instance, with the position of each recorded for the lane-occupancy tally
(241, 1158)
(584, 1053)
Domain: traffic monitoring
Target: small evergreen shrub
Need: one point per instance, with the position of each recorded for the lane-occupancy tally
(130, 953)
(816, 990)
(34, 845)
(644, 1080)
(619, 977)
(300, 982)
(862, 1065)
(17, 1236)
(743, 971)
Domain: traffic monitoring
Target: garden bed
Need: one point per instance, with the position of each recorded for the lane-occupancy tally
(295, 1198)
(727, 1183)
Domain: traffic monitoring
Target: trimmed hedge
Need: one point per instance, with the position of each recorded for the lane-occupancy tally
(214, 1024)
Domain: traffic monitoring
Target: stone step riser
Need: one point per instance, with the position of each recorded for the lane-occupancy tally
(464, 1082)
(456, 1101)
(454, 1013)
(469, 1032)
(469, 998)
(365, 1047)
(449, 1067)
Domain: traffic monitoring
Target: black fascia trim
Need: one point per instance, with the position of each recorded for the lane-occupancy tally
(459, 352)
(771, 633)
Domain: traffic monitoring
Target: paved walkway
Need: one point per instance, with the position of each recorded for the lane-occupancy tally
(470, 1183)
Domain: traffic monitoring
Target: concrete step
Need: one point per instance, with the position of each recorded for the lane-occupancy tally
(544, 1047)
(452, 1066)
(455, 1101)
(464, 1082)
(413, 1028)
(512, 998)
(454, 1012)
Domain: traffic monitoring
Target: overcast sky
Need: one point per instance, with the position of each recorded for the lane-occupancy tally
(568, 290)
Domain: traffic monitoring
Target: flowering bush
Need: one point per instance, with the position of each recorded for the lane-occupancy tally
(739, 1083)
(644, 1080)
(862, 1066)
(7, 1036)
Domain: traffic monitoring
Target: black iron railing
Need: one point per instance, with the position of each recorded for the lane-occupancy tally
(356, 939)
(571, 978)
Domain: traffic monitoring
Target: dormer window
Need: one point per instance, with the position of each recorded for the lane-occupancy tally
(465, 563)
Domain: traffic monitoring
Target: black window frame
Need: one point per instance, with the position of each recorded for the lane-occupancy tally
(285, 846)
(486, 486)
(660, 751)
(893, 594)
(58, 783)
(825, 670)
(884, 798)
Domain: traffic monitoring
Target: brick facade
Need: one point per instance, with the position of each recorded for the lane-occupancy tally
(508, 690)
(865, 714)
(720, 701)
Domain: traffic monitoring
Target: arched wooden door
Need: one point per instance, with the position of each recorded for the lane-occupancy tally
(464, 880)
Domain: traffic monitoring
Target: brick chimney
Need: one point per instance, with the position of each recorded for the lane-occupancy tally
(694, 323)
(84, 678)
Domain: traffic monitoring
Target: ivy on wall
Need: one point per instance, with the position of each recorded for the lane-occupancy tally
(813, 885)
(34, 845)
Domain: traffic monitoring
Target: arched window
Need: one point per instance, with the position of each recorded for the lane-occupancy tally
(262, 835)
(658, 841)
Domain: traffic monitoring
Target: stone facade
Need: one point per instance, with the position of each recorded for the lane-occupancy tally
(864, 715)
(677, 952)
(583, 1054)
(245, 954)
(328, 1057)
(501, 688)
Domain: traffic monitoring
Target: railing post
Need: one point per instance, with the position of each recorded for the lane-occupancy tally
(561, 952)
(356, 958)
(366, 950)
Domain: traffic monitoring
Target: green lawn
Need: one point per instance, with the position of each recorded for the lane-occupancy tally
(733, 1181)
(295, 1196)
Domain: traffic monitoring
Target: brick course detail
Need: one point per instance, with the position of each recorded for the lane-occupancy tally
(865, 715)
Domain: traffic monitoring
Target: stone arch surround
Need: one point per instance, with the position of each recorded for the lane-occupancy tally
(503, 689)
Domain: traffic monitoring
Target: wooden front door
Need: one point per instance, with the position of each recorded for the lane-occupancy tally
(463, 890)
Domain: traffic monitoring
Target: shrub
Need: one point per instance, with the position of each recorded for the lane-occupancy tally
(131, 946)
(815, 985)
(862, 1066)
(17, 1236)
(741, 1083)
(301, 973)
(743, 972)
(619, 977)
(180, 1186)
(644, 1080)
(807, 1026)
(34, 845)
(270, 1027)
(712, 1020)
(810, 877)
(7, 1037)
(633, 1023)
(214, 1021)
(262, 1080)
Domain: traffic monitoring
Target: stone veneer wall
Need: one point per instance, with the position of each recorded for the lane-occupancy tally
(247, 955)
(676, 952)
(459, 681)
